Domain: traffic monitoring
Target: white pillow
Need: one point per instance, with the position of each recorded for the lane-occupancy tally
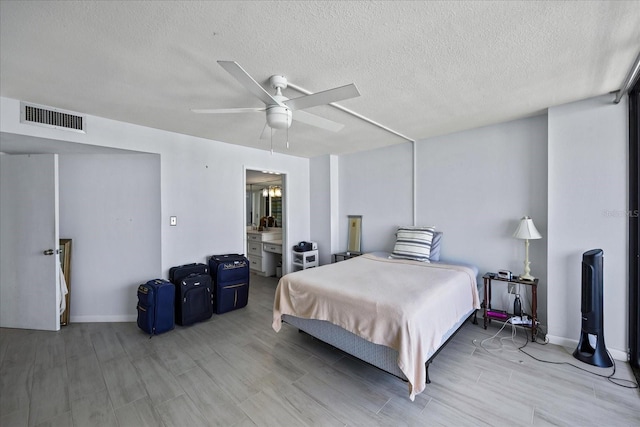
(435, 246)
(413, 243)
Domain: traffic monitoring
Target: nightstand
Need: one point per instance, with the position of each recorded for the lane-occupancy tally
(503, 317)
(341, 256)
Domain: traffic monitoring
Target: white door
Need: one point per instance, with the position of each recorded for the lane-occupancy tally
(29, 280)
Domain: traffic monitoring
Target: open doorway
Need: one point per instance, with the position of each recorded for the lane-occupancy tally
(265, 222)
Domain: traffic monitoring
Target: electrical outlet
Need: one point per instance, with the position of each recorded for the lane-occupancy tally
(512, 288)
(173, 220)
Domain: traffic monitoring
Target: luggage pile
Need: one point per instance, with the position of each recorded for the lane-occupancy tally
(193, 293)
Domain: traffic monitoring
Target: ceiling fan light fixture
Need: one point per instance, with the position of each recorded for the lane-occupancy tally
(279, 117)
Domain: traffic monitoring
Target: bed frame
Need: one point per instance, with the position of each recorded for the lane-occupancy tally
(380, 356)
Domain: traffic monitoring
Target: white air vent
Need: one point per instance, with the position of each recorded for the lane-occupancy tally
(52, 117)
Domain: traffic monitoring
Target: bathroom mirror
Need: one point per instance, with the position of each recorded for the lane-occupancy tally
(354, 241)
(264, 197)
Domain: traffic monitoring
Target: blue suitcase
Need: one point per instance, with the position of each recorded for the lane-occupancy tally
(156, 306)
(230, 274)
(193, 299)
(193, 293)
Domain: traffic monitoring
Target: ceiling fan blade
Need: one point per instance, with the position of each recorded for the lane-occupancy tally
(266, 132)
(324, 97)
(227, 110)
(248, 82)
(317, 121)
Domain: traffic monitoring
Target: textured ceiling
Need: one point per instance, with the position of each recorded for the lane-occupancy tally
(422, 68)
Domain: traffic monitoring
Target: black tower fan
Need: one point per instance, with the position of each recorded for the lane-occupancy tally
(592, 312)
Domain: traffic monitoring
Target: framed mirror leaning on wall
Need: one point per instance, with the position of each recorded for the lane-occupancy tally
(354, 241)
(65, 265)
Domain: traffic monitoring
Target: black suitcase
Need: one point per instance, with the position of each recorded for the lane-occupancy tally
(156, 306)
(193, 299)
(230, 274)
(177, 273)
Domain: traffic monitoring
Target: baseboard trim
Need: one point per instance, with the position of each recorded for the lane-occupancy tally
(569, 343)
(104, 319)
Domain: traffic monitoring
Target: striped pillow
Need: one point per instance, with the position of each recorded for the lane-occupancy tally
(413, 243)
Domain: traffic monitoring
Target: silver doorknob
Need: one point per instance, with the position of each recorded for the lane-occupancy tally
(51, 252)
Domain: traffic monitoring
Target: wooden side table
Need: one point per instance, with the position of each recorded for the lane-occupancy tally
(488, 278)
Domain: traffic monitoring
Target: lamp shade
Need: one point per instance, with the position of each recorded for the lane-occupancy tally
(527, 230)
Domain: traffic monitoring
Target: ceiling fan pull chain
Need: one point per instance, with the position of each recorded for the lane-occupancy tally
(287, 138)
(271, 129)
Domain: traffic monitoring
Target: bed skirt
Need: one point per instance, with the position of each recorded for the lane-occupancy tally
(380, 356)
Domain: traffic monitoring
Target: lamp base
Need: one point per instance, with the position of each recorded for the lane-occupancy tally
(526, 276)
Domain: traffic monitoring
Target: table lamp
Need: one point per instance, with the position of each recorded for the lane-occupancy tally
(527, 231)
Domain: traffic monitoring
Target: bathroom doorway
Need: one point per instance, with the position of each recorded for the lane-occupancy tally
(265, 222)
(264, 194)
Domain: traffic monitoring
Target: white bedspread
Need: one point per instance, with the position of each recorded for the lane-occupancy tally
(402, 304)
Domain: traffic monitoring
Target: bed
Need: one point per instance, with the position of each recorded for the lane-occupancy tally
(393, 313)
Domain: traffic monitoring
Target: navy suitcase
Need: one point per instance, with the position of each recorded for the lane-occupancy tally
(156, 306)
(230, 274)
(193, 299)
(177, 273)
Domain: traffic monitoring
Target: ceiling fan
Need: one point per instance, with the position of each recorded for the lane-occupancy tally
(278, 107)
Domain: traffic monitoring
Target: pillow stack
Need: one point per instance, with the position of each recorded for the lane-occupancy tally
(415, 243)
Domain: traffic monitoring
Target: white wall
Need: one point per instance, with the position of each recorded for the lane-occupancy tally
(109, 207)
(378, 185)
(475, 186)
(324, 192)
(588, 187)
(202, 183)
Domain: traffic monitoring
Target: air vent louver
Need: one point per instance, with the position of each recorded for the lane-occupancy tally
(52, 117)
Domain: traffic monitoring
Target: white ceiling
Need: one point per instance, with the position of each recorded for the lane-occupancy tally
(422, 68)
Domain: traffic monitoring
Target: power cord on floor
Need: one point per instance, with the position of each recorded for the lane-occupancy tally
(609, 377)
(512, 338)
(518, 347)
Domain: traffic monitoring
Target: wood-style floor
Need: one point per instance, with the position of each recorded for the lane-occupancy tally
(234, 370)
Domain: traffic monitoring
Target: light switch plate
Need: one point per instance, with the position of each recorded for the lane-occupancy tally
(173, 220)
